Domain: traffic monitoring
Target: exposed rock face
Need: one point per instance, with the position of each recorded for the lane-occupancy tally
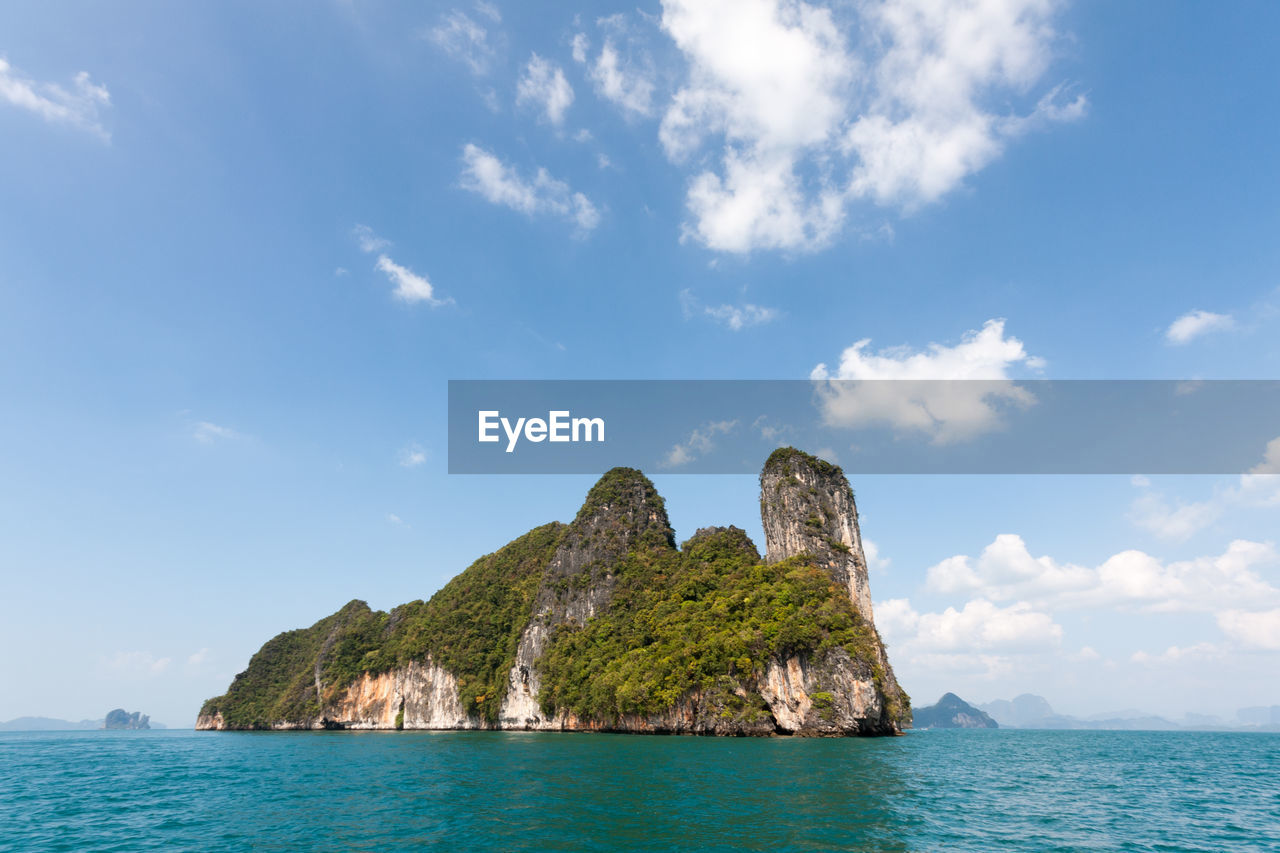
(807, 506)
(707, 639)
(622, 511)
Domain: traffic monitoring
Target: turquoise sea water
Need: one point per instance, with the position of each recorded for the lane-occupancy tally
(946, 790)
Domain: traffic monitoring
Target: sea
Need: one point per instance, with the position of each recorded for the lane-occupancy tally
(980, 790)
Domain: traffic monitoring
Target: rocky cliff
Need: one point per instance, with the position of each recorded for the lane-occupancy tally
(605, 625)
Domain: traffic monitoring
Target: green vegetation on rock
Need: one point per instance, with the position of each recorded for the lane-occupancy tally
(614, 626)
(706, 619)
(470, 627)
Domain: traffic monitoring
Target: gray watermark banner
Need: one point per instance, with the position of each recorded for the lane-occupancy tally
(867, 426)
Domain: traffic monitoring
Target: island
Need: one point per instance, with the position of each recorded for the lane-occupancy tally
(122, 719)
(604, 624)
(952, 712)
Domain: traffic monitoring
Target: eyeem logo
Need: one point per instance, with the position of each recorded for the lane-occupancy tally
(558, 426)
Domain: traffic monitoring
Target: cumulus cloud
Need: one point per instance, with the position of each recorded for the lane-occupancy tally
(1132, 579)
(80, 106)
(543, 84)
(931, 402)
(1256, 630)
(701, 441)
(410, 287)
(1195, 324)
(872, 552)
(979, 627)
(500, 183)
(808, 121)
(464, 39)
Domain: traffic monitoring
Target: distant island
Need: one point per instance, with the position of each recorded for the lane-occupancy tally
(1029, 711)
(604, 624)
(952, 712)
(116, 719)
(122, 719)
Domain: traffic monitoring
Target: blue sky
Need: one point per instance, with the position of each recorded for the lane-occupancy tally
(244, 246)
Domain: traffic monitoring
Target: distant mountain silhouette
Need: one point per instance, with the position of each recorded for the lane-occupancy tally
(952, 712)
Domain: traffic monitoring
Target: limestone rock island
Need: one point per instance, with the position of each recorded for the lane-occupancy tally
(605, 625)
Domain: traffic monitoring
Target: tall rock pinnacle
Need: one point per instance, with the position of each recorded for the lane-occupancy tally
(622, 511)
(807, 506)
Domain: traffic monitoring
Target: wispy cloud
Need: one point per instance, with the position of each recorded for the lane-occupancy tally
(1178, 520)
(621, 71)
(1195, 324)
(207, 432)
(734, 317)
(412, 456)
(80, 106)
(410, 287)
(543, 84)
(700, 442)
(368, 241)
(466, 40)
(500, 183)
(135, 664)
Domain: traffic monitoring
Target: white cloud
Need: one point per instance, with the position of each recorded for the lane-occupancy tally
(198, 658)
(80, 106)
(980, 626)
(501, 184)
(872, 552)
(412, 456)
(369, 241)
(396, 520)
(462, 38)
(1176, 522)
(943, 409)
(409, 286)
(735, 317)
(579, 46)
(1006, 571)
(1178, 654)
(207, 433)
(701, 441)
(1179, 520)
(1194, 324)
(544, 85)
(809, 122)
(1259, 630)
(620, 74)
(738, 317)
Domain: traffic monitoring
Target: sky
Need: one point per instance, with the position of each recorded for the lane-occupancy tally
(244, 246)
